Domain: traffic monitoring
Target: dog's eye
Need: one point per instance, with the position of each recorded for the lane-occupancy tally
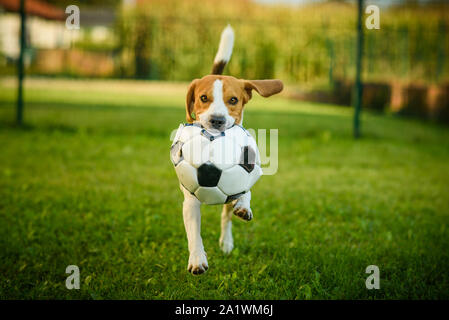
(203, 98)
(233, 100)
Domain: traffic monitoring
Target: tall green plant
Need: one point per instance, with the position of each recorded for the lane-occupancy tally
(177, 40)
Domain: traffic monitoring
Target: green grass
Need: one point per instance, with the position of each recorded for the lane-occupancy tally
(89, 182)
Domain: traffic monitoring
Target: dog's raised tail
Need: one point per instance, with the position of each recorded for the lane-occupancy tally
(224, 50)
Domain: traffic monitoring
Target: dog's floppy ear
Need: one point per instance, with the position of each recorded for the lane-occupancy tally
(265, 88)
(190, 101)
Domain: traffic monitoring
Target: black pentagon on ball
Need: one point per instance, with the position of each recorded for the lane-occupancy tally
(176, 153)
(208, 175)
(234, 196)
(248, 158)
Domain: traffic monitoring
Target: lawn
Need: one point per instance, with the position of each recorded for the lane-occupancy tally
(89, 182)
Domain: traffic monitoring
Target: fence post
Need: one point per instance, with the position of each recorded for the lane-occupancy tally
(20, 65)
(358, 82)
(330, 48)
(441, 49)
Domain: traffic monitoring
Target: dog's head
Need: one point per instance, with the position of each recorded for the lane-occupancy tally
(217, 102)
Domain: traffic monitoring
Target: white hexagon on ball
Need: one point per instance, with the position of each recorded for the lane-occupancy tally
(196, 150)
(234, 180)
(186, 133)
(187, 176)
(224, 152)
(210, 195)
(253, 176)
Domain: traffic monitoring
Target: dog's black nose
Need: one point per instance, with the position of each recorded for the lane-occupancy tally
(217, 121)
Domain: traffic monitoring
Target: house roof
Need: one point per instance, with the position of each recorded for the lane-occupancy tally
(37, 8)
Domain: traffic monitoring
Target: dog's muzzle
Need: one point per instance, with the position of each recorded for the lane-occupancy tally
(217, 122)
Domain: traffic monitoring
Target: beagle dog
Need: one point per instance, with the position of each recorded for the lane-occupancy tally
(216, 102)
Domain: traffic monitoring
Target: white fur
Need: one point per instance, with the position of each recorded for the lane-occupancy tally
(191, 211)
(216, 108)
(226, 44)
(192, 221)
(226, 240)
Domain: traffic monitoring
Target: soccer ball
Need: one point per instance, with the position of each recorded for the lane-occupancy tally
(218, 168)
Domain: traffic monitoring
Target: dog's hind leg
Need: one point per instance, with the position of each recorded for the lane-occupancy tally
(226, 241)
(242, 207)
(191, 211)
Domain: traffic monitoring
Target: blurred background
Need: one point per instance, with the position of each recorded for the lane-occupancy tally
(310, 45)
(86, 179)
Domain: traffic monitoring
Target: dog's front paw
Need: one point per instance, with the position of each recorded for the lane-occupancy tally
(226, 245)
(243, 212)
(197, 263)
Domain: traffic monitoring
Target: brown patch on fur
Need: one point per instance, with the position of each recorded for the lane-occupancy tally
(265, 88)
(218, 67)
(232, 87)
(243, 214)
